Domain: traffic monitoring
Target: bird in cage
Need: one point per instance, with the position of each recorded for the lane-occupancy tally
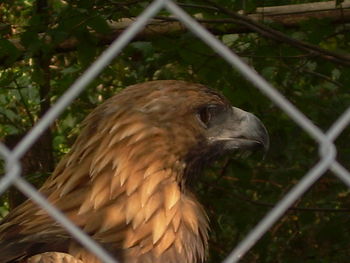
(127, 180)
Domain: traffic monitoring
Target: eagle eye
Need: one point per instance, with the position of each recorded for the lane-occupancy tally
(207, 113)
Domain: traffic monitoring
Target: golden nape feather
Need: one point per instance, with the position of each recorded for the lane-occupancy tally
(54, 257)
(126, 180)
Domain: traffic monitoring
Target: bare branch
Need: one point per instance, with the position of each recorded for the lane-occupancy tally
(288, 16)
(270, 33)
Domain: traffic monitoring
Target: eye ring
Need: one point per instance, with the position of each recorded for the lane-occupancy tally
(206, 114)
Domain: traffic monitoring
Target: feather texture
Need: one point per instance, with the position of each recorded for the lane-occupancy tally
(124, 182)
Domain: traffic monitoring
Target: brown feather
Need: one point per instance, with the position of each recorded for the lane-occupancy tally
(114, 216)
(172, 195)
(152, 205)
(166, 241)
(160, 224)
(53, 257)
(124, 182)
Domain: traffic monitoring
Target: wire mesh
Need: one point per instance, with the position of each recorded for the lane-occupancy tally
(325, 140)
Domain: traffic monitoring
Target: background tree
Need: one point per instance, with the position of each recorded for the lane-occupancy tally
(46, 44)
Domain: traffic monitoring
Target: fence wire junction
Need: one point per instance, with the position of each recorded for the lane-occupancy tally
(327, 149)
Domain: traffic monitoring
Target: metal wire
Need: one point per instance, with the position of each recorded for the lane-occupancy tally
(325, 140)
(13, 172)
(12, 158)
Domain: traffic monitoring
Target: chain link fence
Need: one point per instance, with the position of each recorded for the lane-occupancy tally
(327, 149)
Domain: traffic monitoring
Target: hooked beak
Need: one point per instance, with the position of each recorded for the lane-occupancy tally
(240, 131)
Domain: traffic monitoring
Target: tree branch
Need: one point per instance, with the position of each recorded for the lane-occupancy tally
(26, 108)
(273, 34)
(288, 16)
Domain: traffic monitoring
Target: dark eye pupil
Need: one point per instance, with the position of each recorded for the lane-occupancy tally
(205, 115)
(208, 113)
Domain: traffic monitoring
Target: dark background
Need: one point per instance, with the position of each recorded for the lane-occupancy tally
(46, 44)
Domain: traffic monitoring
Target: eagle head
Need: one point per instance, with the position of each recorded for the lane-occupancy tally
(196, 124)
(187, 121)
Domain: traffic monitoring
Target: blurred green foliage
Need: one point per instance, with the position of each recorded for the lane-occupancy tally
(240, 194)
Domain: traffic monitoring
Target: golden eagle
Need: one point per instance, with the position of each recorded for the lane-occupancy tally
(126, 180)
